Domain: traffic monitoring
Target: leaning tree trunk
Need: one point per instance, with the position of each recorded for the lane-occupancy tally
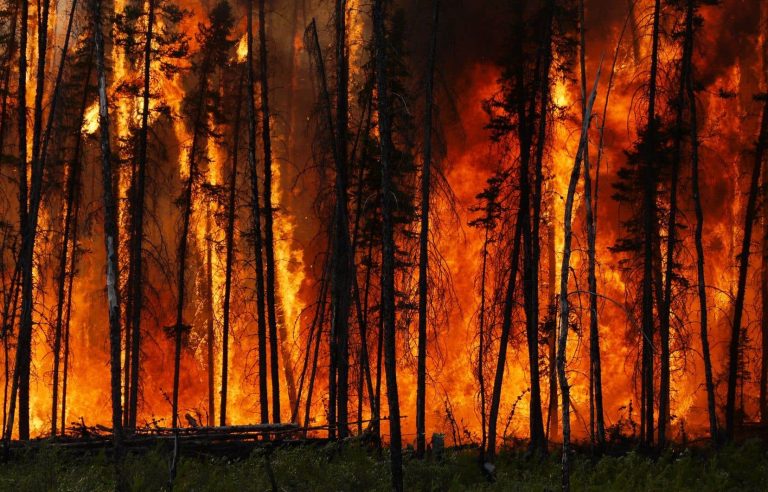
(481, 346)
(421, 370)
(597, 422)
(340, 259)
(562, 336)
(735, 344)
(506, 327)
(388, 245)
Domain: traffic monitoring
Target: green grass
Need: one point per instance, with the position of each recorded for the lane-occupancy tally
(330, 468)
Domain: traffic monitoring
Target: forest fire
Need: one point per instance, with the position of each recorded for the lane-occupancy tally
(542, 220)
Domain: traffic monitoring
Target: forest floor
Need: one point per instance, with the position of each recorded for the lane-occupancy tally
(352, 468)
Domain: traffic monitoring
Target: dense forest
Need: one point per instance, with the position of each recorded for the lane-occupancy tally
(414, 224)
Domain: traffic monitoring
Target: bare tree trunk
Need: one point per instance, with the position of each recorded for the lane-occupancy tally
(341, 261)
(341, 272)
(314, 337)
(698, 234)
(10, 52)
(562, 336)
(187, 209)
(268, 211)
(664, 387)
(735, 344)
(21, 98)
(230, 245)
(72, 187)
(136, 284)
(531, 271)
(481, 349)
(649, 218)
(506, 326)
(29, 227)
(209, 315)
(110, 226)
(388, 246)
(256, 217)
(320, 320)
(65, 365)
(550, 329)
(421, 370)
(597, 423)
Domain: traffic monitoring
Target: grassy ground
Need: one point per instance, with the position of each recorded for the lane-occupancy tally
(329, 468)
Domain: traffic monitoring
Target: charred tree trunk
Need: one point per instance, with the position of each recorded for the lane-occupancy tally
(29, 225)
(110, 225)
(198, 130)
(388, 245)
(597, 422)
(506, 327)
(421, 370)
(664, 322)
(735, 344)
(648, 176)
(698, 237)
(256, 217)
(317, 323)
(538, 441)
(10, 53)
(68, 318)
(230, 245)
(268, 211)
(137, 233)
(209, 314)
(341, 274)
(72, 189)
(313, 340)
(562, 336)
(340, 260)
(481, 348)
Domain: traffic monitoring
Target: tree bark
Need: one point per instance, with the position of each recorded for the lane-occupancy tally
(110, 225)
(136, 284)
(341, 273)
(649, 218)
(421, 370)
(506, 327)
(388, 245)
(230, 245)
(268, 211)
(562, 336)
(735, 344)
(72, 188)
(531, 264)
(698, 238)
(198, 128)
(597, 422)
(256, 217)
(481, 348)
